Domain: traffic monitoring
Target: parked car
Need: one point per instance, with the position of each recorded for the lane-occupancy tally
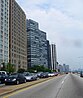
(39, 74)
(44, 75)
(15, 78)
(81, 74)
(3, 72)
(30, 77)
(3, 77)
(51, 74)
(55, 73)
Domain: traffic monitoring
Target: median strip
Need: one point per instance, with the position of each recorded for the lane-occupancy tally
(7, 90)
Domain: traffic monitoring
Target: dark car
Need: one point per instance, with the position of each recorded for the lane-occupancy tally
(44, 75)
(3, 77)
(39, 74)
(16, 78)
(81, 74)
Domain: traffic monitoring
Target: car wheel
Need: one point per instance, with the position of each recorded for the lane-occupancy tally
(37, 78)
(25, 81)
(6, 83)
(17, 82)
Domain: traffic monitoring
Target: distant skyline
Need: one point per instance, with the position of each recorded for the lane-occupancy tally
(63, 22)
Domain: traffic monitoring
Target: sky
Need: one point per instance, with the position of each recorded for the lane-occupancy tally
(62, 20)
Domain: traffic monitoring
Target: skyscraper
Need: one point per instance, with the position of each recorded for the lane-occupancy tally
(65, 68)
(4, 31)
(43, 48)
(32, 43)
(53, 57)
(18, 38)
(36, 45)
(49, 54)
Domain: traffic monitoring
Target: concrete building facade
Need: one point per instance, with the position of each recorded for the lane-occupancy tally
(4, 31)
(36, 45)
(53, 57)
(65, 68)
(49, 55)
(18, 36)
(43, 48)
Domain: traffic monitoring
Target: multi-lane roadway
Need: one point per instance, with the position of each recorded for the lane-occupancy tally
(65, 86)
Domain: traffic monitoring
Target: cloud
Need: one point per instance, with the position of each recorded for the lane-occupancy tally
(63, 22)
(78, 43)
(56, 23)
(71, 43)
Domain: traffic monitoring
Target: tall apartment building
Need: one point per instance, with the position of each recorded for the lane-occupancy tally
(65, 68)
(53, 57)
(18, 36)
(49, 54)
(43, 48)
(4, 31)
(36, 45)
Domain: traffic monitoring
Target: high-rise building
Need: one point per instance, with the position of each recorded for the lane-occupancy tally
(53, 57)
(49, 54)
(32, 43)
(60, 68)
(43, 48)
(65, 68)
(36, 45)
(18, 36)
(4, 31)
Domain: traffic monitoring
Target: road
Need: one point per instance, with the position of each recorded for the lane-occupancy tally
(65, 86)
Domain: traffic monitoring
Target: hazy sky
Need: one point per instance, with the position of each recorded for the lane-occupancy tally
(63, 22)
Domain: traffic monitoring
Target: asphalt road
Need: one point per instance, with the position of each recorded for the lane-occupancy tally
(66, 86)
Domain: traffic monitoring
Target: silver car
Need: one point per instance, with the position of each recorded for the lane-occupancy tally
(30, 77)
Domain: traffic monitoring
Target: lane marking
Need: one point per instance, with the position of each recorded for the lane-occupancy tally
(62, 82)
(24, 89)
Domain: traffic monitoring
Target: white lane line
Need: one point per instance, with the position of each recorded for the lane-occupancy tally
(62, 82)
(60, 86)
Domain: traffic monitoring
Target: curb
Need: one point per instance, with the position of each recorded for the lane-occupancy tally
(2, 85)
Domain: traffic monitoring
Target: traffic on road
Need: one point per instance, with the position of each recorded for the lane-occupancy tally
(18, 78)
(68, 85)
(63, 86)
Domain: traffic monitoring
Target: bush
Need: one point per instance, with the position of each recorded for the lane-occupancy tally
(21, 70)
(10, 68)
(39, 68)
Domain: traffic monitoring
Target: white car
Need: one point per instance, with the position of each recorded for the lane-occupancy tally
(51, 74)
(3, 72)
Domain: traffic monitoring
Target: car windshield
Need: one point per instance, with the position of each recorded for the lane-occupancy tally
(31, 74)
(27, 74)
(12, 76)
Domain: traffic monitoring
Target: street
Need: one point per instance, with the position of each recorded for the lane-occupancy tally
(65, 86)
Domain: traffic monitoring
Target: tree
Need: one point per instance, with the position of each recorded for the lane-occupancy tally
(10, 68)
(39, 68)
(30, 70)
(21, 70)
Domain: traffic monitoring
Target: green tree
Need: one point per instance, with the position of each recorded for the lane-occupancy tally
(21, 70)
(39, 68)
(10, 68)
(30, 70)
